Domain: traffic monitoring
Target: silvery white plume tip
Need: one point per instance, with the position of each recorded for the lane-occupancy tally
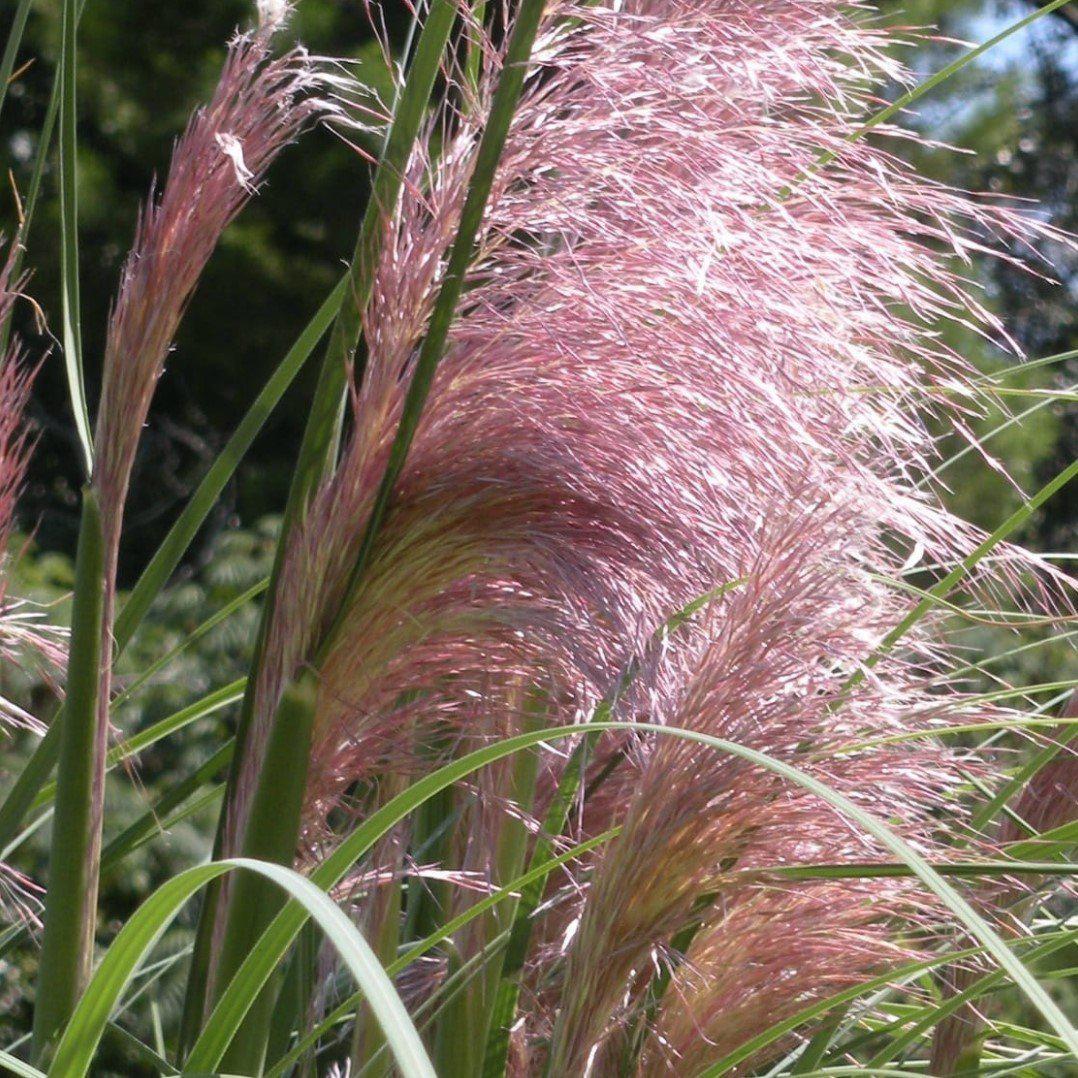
(272, 13)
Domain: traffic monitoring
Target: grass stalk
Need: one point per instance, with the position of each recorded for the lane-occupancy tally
(488, 154)
(270, 836)
(318, 448)
(329, 397)
(71, 899)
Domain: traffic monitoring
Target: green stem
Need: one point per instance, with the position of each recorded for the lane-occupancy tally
(495, 131)
(270, 836)
(321, 436)
(71, 901)
(151, 820)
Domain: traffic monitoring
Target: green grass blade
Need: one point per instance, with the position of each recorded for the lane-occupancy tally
(11, 49)
(17, 1066)
(945, 586)
(321, 435)
(74, 1054)
(1057, 840)
(158, 731)
(32, 776)
(70, 905)
(872, 870)
(995, 805)
(189, 641)
(816, 1049)
(272, 833)
(274, 943)
(953, 68)
(1026, 366)
(133, 836)
(69, 235)
(147, 1056)
(492, 141)
(488, 902)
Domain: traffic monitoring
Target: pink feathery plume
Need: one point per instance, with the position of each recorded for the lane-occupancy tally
(261, 103)
(685, 356)
(703, 828)
(615, 352)
(24, 637)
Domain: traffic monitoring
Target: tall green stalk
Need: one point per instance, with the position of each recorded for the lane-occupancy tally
(502, 109)
(69, 923)
(318, 449)
(271, 836)
(409, 114)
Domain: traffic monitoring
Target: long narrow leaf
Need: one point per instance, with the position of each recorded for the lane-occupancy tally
(274, 943)
(272, 832)
(152, 819)
(69, 236)
(175, 544)
(74, 1054)
(192, 638)
(11, 49)
(171, 724)
(945, 586)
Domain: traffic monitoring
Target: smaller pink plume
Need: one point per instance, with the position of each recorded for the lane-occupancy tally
(25, 639)
(260, 104)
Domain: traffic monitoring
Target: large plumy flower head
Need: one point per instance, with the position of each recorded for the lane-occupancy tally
(688, 354)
